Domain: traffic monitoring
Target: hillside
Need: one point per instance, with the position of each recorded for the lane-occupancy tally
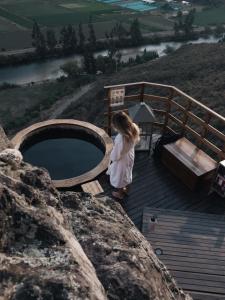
(198, 70)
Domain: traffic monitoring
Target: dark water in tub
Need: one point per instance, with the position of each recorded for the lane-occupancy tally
(64, 157)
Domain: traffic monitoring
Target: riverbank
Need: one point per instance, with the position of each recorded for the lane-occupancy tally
(29, 55)
(192, 68)
(50, 69)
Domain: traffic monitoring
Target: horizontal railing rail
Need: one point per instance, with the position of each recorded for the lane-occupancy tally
(178, 112)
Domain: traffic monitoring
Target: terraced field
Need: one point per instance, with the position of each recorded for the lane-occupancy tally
(16, 17)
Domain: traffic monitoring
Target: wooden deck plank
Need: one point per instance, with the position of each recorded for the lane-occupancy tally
(192, 246)
(206, 296)
(207, 279)
(154, 186)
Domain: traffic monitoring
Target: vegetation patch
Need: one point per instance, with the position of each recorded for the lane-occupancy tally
(16, 19)
(158, 22)
(72, 5)
(7, 26)
(212, 16)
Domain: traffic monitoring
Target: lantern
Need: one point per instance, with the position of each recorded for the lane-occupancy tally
(143, 116)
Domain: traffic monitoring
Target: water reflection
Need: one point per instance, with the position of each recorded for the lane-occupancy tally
(50, 69)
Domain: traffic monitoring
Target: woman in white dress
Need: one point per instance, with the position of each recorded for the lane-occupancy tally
(122, 155)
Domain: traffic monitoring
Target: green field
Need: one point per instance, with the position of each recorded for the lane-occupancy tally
(212, 16)
(20, 20)
(7, 26)
(17, 16)
(54, 13)
(156, 23)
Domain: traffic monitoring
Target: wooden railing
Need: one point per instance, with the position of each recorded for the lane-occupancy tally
(176, 112)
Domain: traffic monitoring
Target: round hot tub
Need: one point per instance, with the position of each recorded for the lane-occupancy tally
(72, 151)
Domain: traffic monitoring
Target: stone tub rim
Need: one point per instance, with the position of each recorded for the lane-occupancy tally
(22, 135)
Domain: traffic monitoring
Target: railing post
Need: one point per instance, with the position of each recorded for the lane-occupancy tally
(185, 119)
(222, 155)
(204, 129)
(109, 112)
(142, 92)
(168, 109)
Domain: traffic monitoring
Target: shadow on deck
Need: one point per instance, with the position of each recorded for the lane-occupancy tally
(153, 185)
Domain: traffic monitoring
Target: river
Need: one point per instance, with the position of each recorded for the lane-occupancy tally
(50, 69)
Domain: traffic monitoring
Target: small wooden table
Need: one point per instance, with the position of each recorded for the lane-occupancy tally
(188, 162)
(92, 187)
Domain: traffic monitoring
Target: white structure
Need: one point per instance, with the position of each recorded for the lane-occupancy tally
(185, 2)
(149, 1)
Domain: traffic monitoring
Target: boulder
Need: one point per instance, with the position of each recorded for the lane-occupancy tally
(67, 245)
(40, 257)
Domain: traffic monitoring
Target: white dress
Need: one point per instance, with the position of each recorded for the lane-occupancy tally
(121, 164)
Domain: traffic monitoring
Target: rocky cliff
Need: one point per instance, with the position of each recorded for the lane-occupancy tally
(70, 245)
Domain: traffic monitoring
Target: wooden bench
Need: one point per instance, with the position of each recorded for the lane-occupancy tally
(92, 187)
(188, 162)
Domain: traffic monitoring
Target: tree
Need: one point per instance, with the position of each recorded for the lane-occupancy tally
(184, 25)
(178, 25)
(176, 29)
(73, 38)
(89, 61)
(38, 40)
(111, 45)
(92, 37)
(51, 40)
(135, 32)
(71, 69)
(68, 39)
(114, 56)
(219, 30)
(188, 23)
(180, 19)
(35, 33)
(63, 39)
(101, 64)
(119, 31)
(81, 37)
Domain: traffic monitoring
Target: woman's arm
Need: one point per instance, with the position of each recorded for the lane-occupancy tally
(117, 148)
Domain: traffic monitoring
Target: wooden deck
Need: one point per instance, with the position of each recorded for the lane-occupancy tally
(154, 186)
(192, 246)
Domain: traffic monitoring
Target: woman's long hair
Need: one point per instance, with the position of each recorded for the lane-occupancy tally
(129, 130)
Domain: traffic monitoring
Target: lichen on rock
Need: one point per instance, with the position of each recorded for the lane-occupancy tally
(124, 261)
(70, 245)
(11, 156)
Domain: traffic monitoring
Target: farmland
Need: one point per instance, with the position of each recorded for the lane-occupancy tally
(212, 16)
(17, 16)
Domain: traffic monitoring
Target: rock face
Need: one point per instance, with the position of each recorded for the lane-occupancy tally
(124, 261)
(4, 142)
(71, 246)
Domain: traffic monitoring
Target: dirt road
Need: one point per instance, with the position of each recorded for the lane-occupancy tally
(61, 105)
